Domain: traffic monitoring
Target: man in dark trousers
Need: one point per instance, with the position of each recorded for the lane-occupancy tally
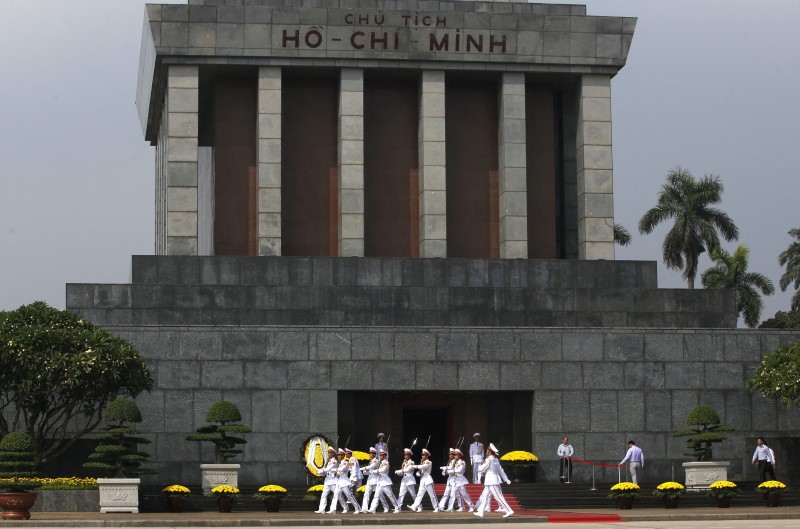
(765, 458)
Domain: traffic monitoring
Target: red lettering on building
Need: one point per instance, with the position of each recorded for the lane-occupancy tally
(442, 45)
(353, 41)
(295, 38)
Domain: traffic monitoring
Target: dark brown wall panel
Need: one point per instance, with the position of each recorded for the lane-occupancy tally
(309, 161)
(471, 129)
(540, 118)
(235, 111)
(390, 161)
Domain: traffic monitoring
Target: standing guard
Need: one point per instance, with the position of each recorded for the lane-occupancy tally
(409, 483)
(329, 485)
(425, 483)
(381, 445)
(476, 456)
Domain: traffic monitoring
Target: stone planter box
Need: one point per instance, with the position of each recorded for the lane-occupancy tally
(219, 474)
(701, 474)
(119, 494)
(67, 501)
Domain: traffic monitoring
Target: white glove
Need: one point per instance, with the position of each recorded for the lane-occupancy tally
(508, 482)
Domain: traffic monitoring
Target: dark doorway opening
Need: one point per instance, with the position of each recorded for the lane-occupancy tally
(424, 423)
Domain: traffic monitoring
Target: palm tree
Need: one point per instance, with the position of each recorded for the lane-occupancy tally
(790, 258)
(621, 235)
(730, 272)
(688, 201)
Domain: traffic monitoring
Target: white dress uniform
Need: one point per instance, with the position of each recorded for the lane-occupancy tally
(344, 484)
(460, 485)
(408, 485)
(329, 485)
(381, 445)
(384, 488)
(425, 485)
(371, 471)
(494, 476)
(476, 452)
(449, 489)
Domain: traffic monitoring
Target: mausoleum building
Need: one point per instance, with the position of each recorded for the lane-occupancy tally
(397, 216)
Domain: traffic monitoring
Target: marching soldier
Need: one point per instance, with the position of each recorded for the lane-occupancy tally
(371, 471)
(343, 485)
(449, 490)
(384, 486)
(329, 485)
(460, 483)
(425, 483)
(408, 485)
(476, 456)
(491, 484)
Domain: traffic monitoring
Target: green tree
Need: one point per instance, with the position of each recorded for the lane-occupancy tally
(224, 413)
(730, 272)
(621, 235)
(782, 320)
(708, 431)
(790, 258)
(116, 455)
(697, 225)
(58, 373)
(778, 376)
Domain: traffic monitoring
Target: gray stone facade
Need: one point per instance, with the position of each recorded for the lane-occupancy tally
(600, 385)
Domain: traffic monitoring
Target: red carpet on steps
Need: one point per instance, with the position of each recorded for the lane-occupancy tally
(552, 516)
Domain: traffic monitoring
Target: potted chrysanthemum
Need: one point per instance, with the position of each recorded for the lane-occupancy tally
(624, 493)
(722, 491)
(225, 495)
(521, 465)
(176, 497)
(670, 491)
(314, 492)
(272, 495)
(772, 492)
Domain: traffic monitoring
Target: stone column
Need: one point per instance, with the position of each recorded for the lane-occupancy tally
(269, 160)
(351, 162)
(595, 181)
(432, 166)
(512, 164)
(181, 166)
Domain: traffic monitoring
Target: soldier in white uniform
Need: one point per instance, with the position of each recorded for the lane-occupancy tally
(384, 486)
(381, 445)
(409, 483)
(459, 483)
(449, 489)
(356, 476)
(344, 485)
(494, 476)
(371, 471)
(425, 483)
(476, 456)
(329, 485)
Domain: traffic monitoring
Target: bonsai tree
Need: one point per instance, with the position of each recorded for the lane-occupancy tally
(226, 415)
(17, 467)
(707, 432)
(59, 373)
(116, 454)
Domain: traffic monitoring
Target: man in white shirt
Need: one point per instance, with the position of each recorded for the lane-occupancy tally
(636, 458)
(565, 452)
(765, 458)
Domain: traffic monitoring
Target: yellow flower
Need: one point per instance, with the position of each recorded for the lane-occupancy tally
(519, 456)
(273, 489)
(772, 484)
(723, 484)
(362, 489)
(175, 489)
(361, 456)
(625, 485)
(224, 490)
(670, 485)
(315, 488)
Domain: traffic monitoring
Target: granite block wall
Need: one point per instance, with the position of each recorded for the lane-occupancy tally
(599, 386)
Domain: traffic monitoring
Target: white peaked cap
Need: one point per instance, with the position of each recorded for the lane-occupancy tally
(383, 452)
(493, 448)
(381, 435)
(425, 451)
(476, 434)
(451, 450)
(459, 452)
(348, 451)
(341, 450)
(408, 451)
(331, 449)
(372, 450)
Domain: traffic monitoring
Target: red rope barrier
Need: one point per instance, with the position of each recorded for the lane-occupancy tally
(593, 463)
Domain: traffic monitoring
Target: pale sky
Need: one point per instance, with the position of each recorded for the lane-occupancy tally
(710, 85)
